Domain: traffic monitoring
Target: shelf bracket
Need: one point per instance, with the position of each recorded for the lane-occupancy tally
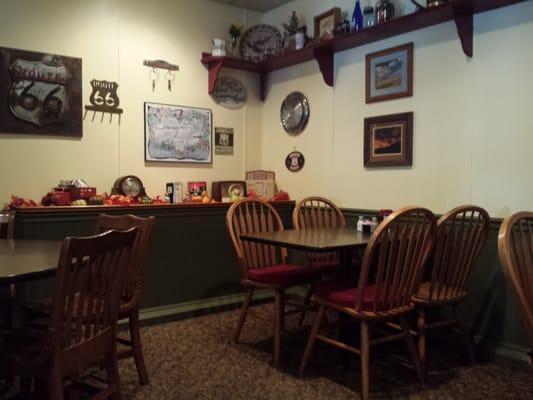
(214, 69)
(325, 58)
(464, 20)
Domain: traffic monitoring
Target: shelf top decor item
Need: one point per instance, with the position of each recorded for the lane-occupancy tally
(326, 23)
(260, 42)
(389, 73)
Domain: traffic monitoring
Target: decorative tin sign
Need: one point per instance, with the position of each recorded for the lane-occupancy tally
(40, 93)
(295, 161)
(104, 99)
(224, 141)
(229, 92)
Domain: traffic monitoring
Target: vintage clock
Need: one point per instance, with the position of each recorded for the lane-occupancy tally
(128, 185)
(294, 113)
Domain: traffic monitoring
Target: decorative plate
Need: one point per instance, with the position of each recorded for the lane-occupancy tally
(229, 92)
(259, 42)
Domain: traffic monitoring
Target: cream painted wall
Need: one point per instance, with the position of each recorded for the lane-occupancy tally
(113, 37)
(472, 134)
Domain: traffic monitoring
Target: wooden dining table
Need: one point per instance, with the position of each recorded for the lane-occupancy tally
(317, 240)
(22, 261)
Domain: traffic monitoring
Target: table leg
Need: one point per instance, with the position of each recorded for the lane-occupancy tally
(17, 306)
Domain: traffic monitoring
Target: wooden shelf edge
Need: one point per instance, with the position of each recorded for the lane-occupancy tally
(460, 11)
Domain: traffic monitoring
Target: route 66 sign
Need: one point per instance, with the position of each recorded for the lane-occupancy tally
(104, 99)
(39, 93)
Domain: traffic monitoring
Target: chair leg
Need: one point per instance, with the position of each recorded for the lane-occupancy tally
(365, 361)
(278, 322)
(135, 336)
(312, 337)
(421, 325)
(113, 378)
(307, 300)
(465, 333)
(242, 316)
(411, 348)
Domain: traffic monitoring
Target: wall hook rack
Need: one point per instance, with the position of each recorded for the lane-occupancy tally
(104, 99)
(170, 76)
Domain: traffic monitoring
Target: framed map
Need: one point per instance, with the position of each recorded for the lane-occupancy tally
(177, 134)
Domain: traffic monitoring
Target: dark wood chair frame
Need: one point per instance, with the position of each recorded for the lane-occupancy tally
(317, 212)
(246, 216)
(400, 247)
(82, 325)
(515, 248)
(461, 235)
(8, 292)
(129, 306)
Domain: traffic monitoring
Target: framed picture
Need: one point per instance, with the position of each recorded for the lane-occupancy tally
(388, 140)
(177, 134)
(389, 73)
(326, 22)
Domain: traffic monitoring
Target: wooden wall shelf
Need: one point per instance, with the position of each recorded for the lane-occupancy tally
(460, 11)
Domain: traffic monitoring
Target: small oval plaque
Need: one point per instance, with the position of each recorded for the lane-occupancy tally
(229, 92)
(295, 161)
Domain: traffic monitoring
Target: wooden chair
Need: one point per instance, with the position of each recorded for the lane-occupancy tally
(82, 326)
(129, 306)
(318, 212)
(515, 248)
(263, 266)
(400, 246)
(461, 235)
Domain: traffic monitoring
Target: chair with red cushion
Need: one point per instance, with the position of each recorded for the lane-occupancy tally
(515, 248)
(264, 266)
(461, 235)
(390, 274)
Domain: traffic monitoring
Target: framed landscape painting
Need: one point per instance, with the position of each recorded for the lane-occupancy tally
(177, 134)
(389, 73)
(388, 140)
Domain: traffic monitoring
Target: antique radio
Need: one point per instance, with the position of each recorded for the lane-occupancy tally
(261, 183)
(228, 190)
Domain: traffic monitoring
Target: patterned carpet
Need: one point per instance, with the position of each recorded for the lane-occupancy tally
(196, 359)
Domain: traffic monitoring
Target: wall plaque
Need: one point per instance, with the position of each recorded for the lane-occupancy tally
(224, 141)
(40, 93)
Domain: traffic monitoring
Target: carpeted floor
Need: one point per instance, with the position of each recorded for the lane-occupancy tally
(196, 359)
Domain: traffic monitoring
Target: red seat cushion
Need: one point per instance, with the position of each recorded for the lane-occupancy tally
(284, 274)
(344, 295)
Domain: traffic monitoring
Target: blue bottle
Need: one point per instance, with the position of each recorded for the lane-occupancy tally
(357, 17)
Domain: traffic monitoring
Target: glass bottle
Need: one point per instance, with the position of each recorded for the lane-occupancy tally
(357, 17)
(369, 19)
(384, 11)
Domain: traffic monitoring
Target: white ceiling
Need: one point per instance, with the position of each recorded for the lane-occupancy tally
(257, 5)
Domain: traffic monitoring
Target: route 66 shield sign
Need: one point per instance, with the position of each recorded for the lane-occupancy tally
(40, 93)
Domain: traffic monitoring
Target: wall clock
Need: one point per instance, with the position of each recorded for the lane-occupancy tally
(128, 185)
(294, 113)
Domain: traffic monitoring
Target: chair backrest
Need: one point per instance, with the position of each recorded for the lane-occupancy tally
(317, 212)
(105, 222)
(7, 224)
(461, 235)
(515, 248)
(394, 258)
(89, 279)
(251, 216)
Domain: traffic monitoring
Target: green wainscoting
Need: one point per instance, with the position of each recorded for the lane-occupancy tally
(191, 257)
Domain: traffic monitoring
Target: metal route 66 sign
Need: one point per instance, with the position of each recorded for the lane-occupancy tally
(104, 99)
(39, 93)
